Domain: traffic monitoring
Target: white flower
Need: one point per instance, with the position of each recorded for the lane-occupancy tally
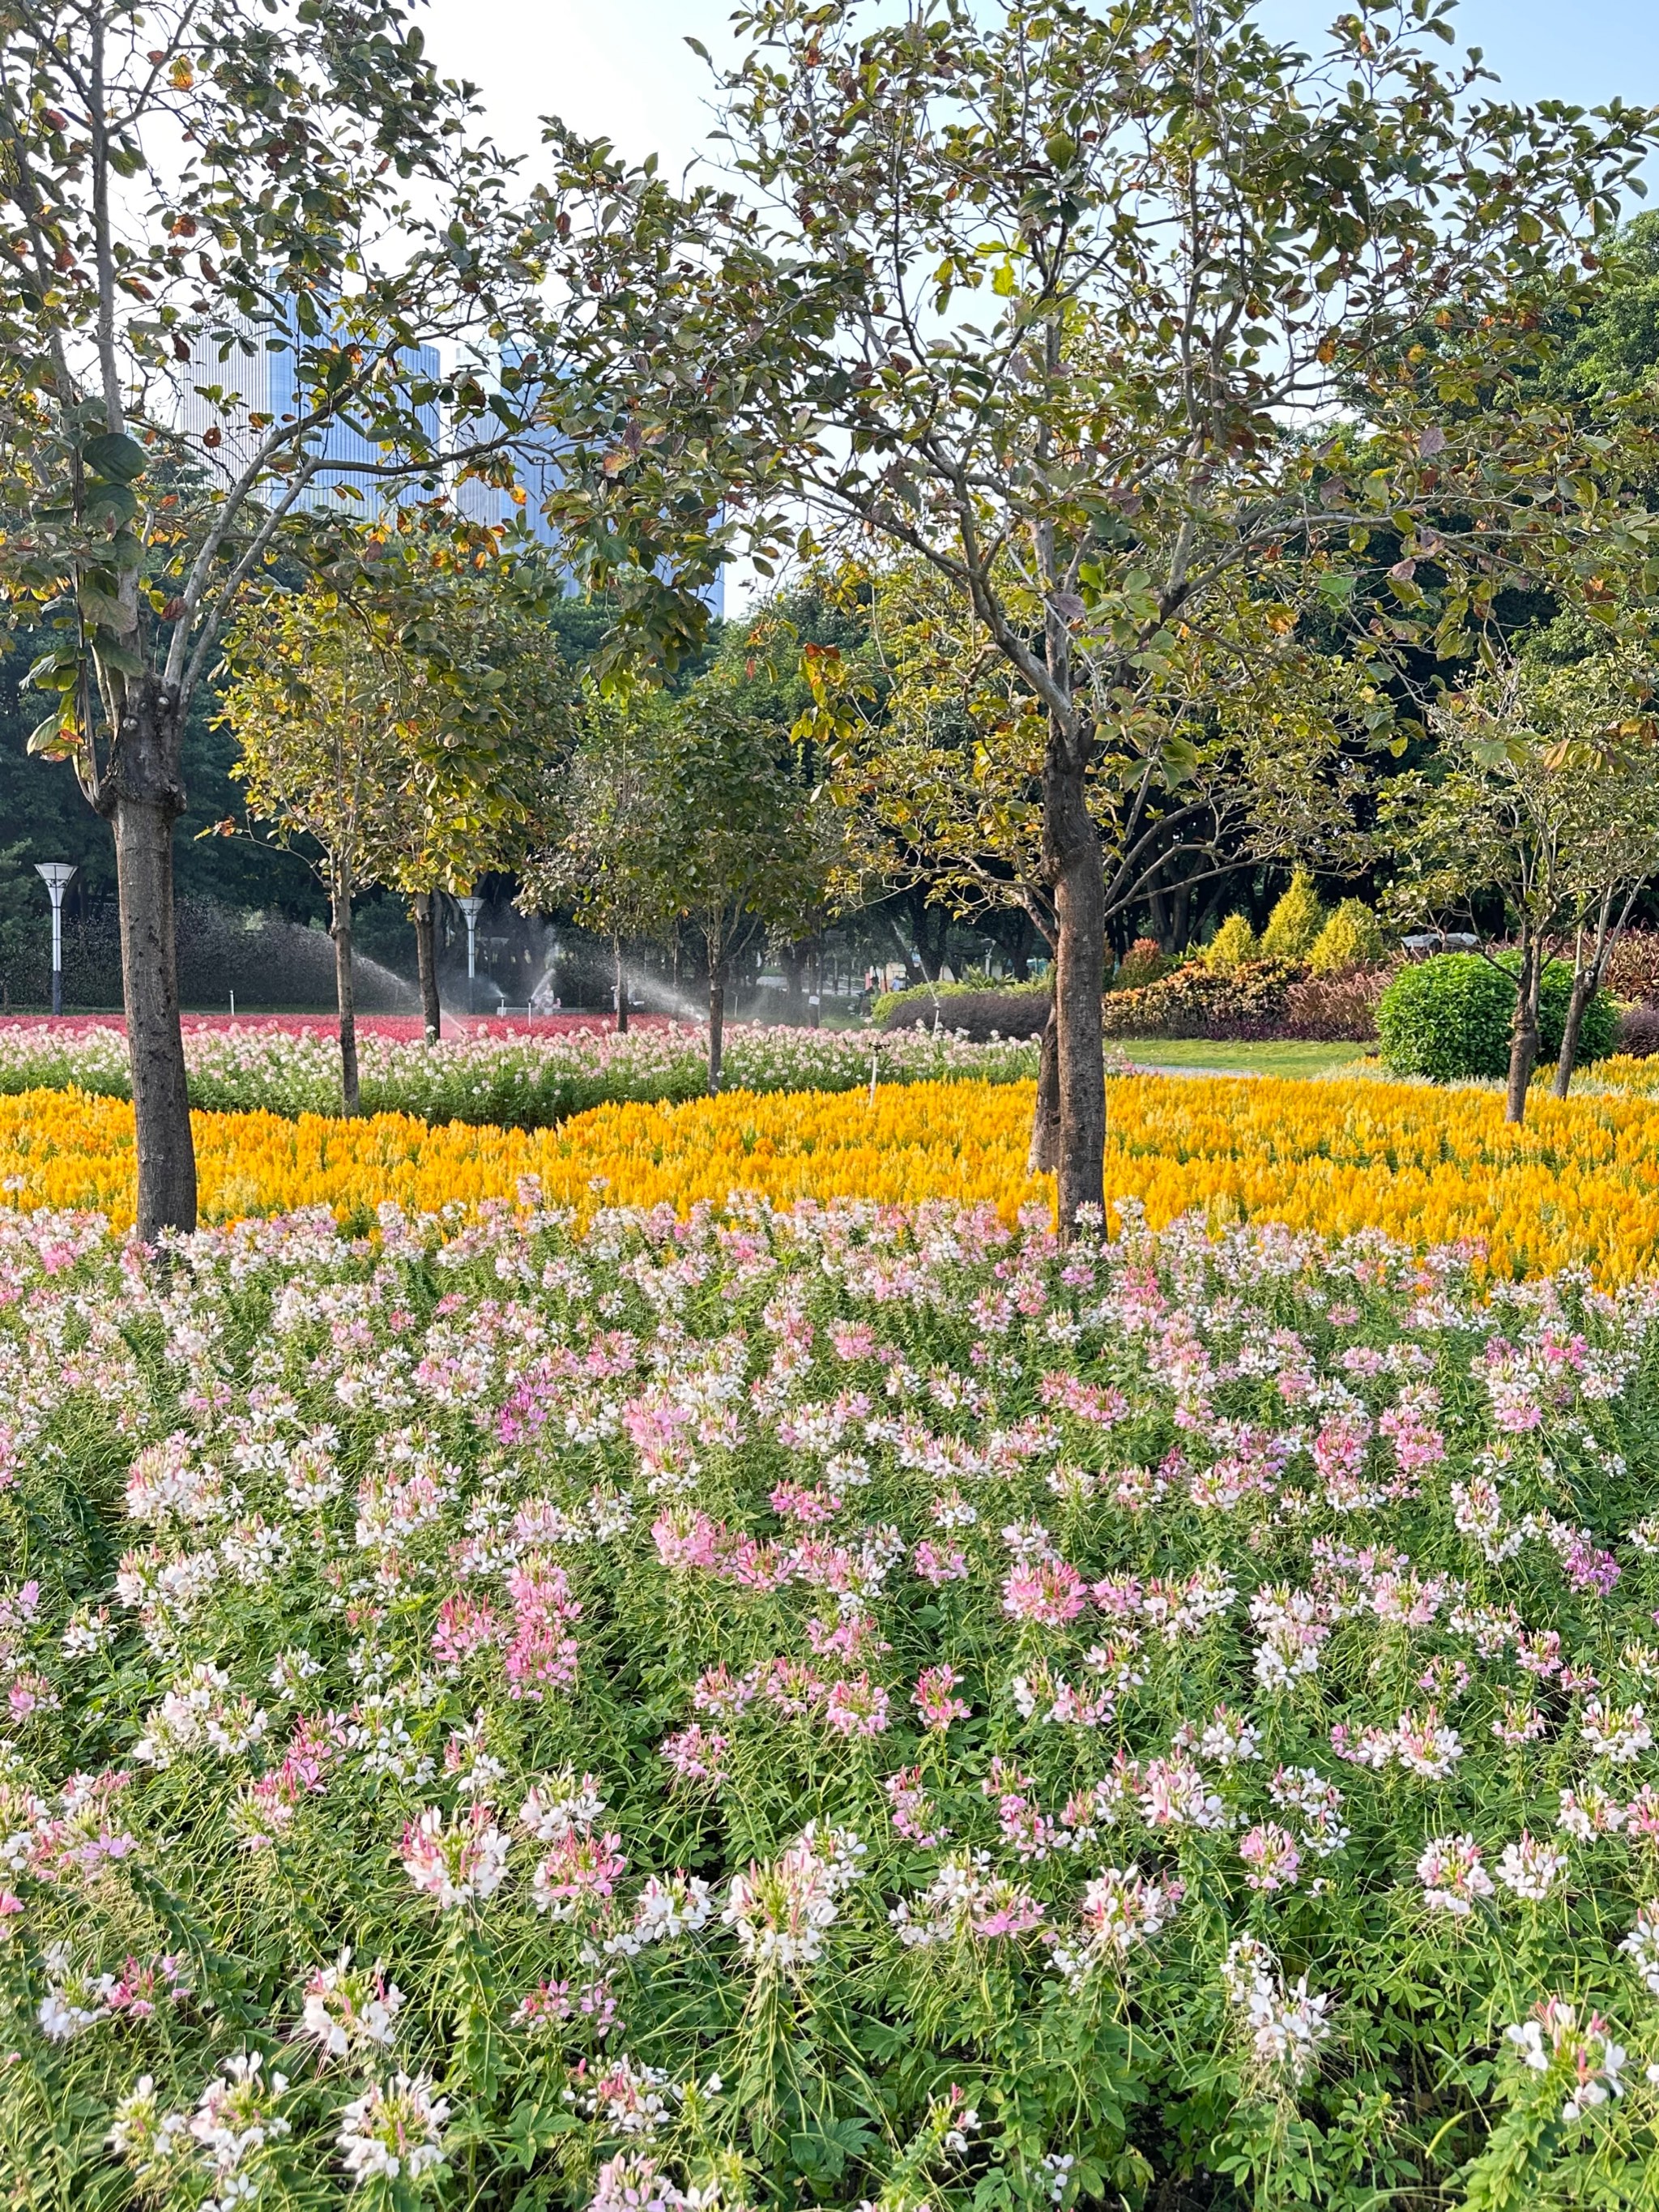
(1287, 2027)
(1530, 1868)
(344, 2010)
(393, 2132)
(1617, 1734)
(1641, 1945)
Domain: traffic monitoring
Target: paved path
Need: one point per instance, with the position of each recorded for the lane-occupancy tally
(1168, 1067)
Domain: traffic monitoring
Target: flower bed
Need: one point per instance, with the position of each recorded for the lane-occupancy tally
(963, 1141)
(527, 1081)
(408, 1028)
(1578, 1185)
(839, 1710)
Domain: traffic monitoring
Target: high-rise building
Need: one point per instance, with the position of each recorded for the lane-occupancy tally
(257, 370)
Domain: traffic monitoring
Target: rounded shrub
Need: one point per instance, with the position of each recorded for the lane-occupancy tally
(1351, 939)
(1449, 1019)
(1294, 926)
(1232, 946)
(1599, 1031)
(1144, 962)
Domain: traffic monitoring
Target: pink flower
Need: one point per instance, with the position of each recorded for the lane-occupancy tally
(683, 1543)
(1049, 1591)
(459, 1864)
(936, 1565)
(913, 1808)
(696, 1755)
(932, 1698)
(856, 1707)
(581, 1867)
(810, 1503)
(1271, 1854)
(464, 1626)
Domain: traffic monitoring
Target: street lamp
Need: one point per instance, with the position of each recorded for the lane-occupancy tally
(56, 876)
(471, 909)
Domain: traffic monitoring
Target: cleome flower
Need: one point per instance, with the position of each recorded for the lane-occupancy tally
(1120, 1910)
(394, 2132)
(1285, 2028)
(346, 2012)
(779, 1912)
(1585, 2058)
(459, 1863)
(1454, 1875)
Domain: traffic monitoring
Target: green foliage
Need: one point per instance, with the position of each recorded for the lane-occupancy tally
(886, 1004)
(1232, 946)
(1248, 999)
(1294, 926)
(1353, 938)
(1448, 1017)
(1145, 962)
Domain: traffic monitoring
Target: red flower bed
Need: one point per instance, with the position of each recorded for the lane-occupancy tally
(404, 1027)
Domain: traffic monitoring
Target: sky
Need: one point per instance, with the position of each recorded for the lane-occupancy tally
(621, 69)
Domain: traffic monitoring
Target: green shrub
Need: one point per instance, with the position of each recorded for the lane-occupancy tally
(1144, 962)
(1294, 926)
(1449, 1017)
(1201, 1000)
(1353, 938)
(1600, 1030)
(908, 1004)
(1232, 946)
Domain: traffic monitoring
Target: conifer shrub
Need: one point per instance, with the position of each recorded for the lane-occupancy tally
(1294, 926)
(1353, 938)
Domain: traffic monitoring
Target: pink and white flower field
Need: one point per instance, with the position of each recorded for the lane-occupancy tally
(845, 1709)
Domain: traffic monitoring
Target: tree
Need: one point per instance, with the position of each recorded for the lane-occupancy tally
(1250, 743)
(740, 849)
(1543, 802)
(316, 719)
(196, 195)
(484, 704)
(406, 716)
(1120, 320)
(605, 859)
(688, 808)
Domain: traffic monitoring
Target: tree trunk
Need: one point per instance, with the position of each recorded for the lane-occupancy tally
(621, 988)
(815, 1000)
(716, 1023)
(794, 971)
(1523, 1035)
(1045, 1121)
(143, 797)
(1072, 852)
(1583, 990)
(340, 929)
(426, 963)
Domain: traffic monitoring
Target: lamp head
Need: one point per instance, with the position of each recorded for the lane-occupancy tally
(55, 875)
(471, 907)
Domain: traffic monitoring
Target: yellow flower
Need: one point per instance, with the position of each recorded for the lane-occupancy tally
(1579, 1183)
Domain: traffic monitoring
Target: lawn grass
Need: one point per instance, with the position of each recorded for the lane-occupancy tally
(1269, 1059)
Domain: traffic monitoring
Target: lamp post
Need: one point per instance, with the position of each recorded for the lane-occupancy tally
(56, 876)
(471, 909)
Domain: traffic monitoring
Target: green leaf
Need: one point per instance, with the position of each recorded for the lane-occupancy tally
(112, 502)
(114, 455)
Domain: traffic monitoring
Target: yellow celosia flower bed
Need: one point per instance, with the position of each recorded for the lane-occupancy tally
(1580, 1182)
(959, 1140)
